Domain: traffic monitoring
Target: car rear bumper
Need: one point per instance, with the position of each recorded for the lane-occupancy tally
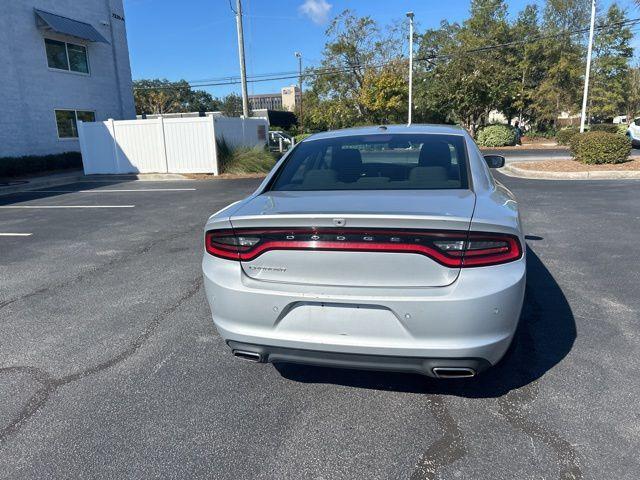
(474, 319)
(433, 367)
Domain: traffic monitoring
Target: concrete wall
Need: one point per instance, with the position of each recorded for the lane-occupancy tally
(30, 91)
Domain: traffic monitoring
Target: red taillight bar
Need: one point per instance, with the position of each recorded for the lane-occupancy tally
(248, 244)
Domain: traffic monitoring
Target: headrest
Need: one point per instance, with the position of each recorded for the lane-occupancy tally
(348, 164)
(435, 154)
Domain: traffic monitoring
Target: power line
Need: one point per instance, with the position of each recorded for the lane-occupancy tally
(321, 71)
(538, 38)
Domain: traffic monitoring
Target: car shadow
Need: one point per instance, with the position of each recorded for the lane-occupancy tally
(545, 335)
(44, 192)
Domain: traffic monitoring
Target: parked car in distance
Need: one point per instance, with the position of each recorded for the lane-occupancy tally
(633, 132)
(279, 140)
(384, 248)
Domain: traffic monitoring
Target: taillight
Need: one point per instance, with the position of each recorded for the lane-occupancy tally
(453, 249)
(482, 249)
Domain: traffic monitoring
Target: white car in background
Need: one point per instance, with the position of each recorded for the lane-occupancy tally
(633, 132)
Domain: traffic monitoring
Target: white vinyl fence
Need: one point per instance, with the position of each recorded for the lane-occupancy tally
(164, 145)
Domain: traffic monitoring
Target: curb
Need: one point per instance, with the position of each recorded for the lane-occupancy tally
(37, 183)
(57, 180)
(592, 175)
(139, 177)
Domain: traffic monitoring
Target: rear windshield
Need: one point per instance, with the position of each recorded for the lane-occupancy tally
(376, 162)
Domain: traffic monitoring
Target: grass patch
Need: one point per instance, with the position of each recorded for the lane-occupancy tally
(242, 160)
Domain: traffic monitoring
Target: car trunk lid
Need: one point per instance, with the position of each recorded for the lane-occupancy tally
(364, 238)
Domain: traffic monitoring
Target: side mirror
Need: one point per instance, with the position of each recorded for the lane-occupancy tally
(494, 161)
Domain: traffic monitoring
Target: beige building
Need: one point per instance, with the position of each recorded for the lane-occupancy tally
(288, 99)
(291, 98)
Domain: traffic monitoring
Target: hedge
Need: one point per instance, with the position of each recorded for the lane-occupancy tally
(496, 136)
(604, 127)
(540, 134)
(301, 136)
(18, 166)
(565, 135)
(600, 147)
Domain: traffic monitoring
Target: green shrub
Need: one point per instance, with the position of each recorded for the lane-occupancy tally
(622, 128)
(242, 160)
(32, 164)
(600, 147)
(301, 136)
(496, 136)
(565, 135)
(534, 133)
(604, 127)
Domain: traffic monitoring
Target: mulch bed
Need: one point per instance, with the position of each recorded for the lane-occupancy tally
(530, 146)
(574, 166)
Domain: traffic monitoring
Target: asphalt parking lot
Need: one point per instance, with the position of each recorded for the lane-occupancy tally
(110, 366)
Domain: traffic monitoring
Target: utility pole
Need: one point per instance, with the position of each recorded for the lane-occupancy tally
(586, 75)
(299, 57)
(410, 15)
(243, 69)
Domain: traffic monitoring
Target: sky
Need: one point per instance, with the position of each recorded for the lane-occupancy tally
(196, 40)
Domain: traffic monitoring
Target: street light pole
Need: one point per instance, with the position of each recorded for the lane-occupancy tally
(586, 75)
(243, 70)
(299, 57)
(410, 15)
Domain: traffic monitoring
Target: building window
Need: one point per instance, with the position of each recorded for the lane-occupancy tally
(67, 121)
(66, 56)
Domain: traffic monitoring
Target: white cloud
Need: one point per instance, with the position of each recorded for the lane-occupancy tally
(316, 10)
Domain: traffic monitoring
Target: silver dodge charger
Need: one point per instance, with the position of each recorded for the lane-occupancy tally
(384, 248)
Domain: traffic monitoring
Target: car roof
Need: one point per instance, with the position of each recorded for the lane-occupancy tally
(390, 129)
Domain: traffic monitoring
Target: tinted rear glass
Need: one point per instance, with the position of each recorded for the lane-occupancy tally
(376, 162)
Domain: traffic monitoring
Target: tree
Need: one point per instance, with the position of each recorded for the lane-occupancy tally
(231, 105)
(610, 70)
(157, 96)
(432, 101)
(345, 89)
(201, 101)
(531, 68)
(633, 95)
(529, 63)
(467, 81)
(563, 61)
(384, 93)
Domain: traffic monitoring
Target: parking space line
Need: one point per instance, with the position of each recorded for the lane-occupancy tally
(15, 234)
(106, 190)
(66, 206)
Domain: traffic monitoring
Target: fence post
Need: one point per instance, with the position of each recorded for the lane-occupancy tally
(83, 145)
(116, 157)
(164, 144)
(216, 165)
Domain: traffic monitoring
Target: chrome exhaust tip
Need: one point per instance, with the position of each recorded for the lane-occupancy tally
(246, 355)
(453, 372)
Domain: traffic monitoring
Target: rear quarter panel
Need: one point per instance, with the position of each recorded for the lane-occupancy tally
(496, 208)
